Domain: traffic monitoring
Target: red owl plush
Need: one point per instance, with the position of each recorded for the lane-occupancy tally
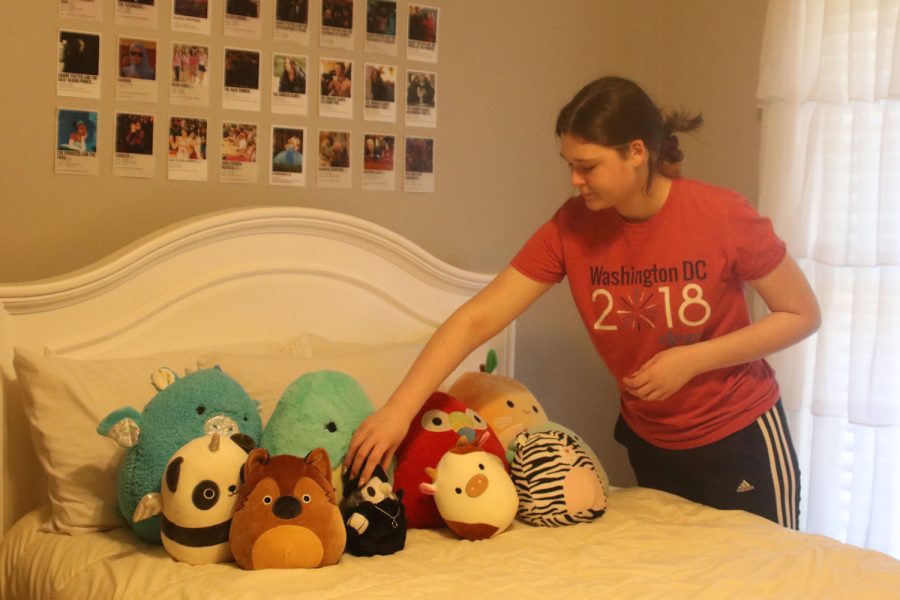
(287, 514)
(436, 429)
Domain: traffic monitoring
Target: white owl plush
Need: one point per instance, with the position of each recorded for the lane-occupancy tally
(473, 492)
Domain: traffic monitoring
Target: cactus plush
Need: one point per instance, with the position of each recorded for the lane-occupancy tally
(320, 409)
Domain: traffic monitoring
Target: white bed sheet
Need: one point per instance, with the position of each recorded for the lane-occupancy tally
(648, 545)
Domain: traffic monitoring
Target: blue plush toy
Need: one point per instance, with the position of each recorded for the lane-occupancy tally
(321, 409)
(204, 402)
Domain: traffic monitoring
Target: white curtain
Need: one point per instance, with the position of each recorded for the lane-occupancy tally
(830, 180)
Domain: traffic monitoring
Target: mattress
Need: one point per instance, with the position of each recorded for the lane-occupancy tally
(649, 544)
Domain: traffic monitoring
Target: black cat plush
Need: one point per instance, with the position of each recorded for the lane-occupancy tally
(374, 516)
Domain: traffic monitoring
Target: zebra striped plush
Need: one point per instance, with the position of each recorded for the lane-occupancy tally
(556, 480)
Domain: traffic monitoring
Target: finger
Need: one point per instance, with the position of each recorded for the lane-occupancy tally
(638, 386)
(351, 451)
(637, 379)
(371, 462)
(643, 391)
(654, 396)
(387, 458)
(362, 454)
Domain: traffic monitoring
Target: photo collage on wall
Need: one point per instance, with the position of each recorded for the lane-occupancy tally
(280, 104)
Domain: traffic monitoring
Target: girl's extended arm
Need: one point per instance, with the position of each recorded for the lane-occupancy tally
(476, 321)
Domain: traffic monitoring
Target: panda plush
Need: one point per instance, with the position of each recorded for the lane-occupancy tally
(198, 498)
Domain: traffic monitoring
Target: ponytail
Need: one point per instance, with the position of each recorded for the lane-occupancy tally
(671, 157)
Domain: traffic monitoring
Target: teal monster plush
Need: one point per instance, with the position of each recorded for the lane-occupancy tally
(184, 408)
(320, 409)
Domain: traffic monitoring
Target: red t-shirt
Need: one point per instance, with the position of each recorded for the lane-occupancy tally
(675, 279)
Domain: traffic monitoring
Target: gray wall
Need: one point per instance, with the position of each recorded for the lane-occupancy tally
(505, 68)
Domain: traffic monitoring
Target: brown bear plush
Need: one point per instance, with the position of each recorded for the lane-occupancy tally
(287, 514)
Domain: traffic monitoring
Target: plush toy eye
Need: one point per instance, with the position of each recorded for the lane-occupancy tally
(206, 494)
(458, 490)
(201, 409)
(331, 426)
(306, 498)
(267, 499)
(436, 420)
(510, 404)
(477, 421)
(232, 489)
(370, 491)
(481, 466)
(535, 409)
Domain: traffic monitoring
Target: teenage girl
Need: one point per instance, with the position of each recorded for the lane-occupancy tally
(657, 265)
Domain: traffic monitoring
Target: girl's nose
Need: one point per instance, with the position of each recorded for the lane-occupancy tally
(575, 178)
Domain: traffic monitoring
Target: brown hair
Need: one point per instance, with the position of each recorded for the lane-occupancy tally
(613, 112)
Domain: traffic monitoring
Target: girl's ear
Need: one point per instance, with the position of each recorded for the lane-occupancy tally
(637, 152)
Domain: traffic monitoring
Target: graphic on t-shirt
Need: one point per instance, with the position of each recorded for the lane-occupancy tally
(640, 311)
(643, 299)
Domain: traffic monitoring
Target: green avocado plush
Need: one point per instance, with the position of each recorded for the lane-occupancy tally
(320, 409)
(184, 408)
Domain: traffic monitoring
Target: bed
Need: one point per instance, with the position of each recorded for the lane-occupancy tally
(270, 292)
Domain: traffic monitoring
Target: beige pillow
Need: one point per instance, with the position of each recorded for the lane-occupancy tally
(308, 344)
(64, 401)
(377, 368)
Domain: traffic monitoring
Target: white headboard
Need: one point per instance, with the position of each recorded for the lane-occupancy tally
(245, 275)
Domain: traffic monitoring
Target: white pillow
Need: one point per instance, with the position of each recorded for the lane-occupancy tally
(309, 344)
(377, 368)
(64, 401)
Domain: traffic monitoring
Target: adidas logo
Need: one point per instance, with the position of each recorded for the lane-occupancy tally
(745, 486)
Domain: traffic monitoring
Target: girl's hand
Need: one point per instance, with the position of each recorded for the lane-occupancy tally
(375, 441)
(663, 375)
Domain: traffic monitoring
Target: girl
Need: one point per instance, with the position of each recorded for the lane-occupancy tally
(657, 266)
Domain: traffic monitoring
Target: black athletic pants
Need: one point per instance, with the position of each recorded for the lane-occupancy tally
(754, 469)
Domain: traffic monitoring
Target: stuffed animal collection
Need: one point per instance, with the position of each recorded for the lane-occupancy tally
(472, 460)
(198, 498)
(374, 516)
(184, 408)
(473, 492)
(287, 514)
